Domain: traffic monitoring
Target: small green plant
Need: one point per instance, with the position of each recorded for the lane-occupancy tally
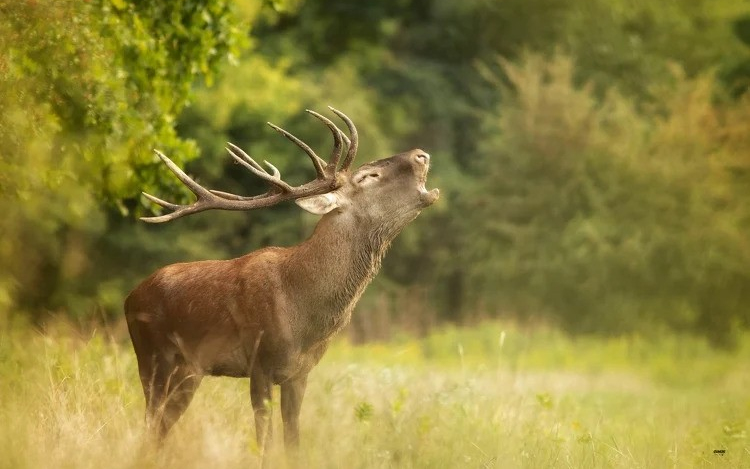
(545, 400)
(363, 411)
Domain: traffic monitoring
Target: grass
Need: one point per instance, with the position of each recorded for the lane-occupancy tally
(492, 396)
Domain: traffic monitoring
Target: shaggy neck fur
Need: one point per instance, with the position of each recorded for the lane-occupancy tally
(334, 266)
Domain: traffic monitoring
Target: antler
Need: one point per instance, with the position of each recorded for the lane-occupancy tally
(326, 180)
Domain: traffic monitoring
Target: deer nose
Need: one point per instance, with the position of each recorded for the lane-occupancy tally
(422, 157)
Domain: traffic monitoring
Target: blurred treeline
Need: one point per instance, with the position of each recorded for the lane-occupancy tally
(593, 155)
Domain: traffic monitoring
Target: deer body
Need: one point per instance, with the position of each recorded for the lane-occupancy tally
(269, 315)
(214, 311)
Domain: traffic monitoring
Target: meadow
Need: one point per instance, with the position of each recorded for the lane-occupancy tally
(495, 395)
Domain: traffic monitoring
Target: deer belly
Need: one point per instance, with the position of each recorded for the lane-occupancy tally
(222, 359)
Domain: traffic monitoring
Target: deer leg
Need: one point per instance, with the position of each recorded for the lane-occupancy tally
(181, 388)
(292, 392)
(150, 366)
(260, 397)
(153, 390)
(169, 389)
(153, 371)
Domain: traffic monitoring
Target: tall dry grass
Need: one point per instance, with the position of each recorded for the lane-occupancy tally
(492, 396)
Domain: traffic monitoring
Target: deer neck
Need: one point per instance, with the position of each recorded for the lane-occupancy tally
(331, 270)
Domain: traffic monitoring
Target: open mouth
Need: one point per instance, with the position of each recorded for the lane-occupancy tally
(427, 197)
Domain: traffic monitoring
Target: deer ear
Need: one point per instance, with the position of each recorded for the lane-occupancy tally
(319, 204)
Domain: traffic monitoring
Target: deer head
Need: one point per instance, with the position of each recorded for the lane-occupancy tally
(389, 192)
(386, 194)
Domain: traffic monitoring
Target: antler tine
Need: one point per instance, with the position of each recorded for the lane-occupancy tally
(346, 139)
(230, 196)
(245, 156)
(194, 187)
(274, 170)
(161, 202)
(169, 216)
(337, 142)
(316, 160)
(250, 164)
(354, 143)
(178, 210)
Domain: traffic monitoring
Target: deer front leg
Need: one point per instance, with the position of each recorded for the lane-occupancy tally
(260, 397)
(292, 392)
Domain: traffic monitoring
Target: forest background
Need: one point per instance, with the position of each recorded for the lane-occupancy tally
(593, 156)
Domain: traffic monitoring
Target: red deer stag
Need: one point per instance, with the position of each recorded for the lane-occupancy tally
(270, 314)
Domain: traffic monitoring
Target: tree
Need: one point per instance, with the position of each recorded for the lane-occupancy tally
(606, 218)
(87, 89)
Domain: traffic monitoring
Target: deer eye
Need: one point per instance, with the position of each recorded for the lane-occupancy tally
(367, 177)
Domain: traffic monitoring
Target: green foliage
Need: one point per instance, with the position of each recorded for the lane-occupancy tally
(632, 44)
(612, 218)
(87, 89)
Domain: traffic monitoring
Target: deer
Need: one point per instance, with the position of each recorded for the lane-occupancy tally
(270, 315)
